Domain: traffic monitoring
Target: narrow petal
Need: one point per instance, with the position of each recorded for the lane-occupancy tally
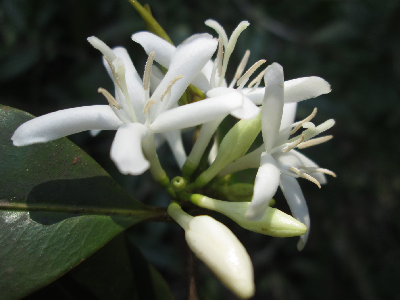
(188, 60)
(298, 206)
(272, 104)
(65, 122)
(265, 186)
(295, 159)
(196, 113)
(151, 42)
(246, 111)
(133, 82)
(174, 139)
(304, 88)
(126, 149)
(288, 117)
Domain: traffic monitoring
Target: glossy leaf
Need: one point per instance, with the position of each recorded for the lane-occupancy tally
(57, 207)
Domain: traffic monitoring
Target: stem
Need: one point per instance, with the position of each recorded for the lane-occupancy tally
(151, 212)
(191, 274)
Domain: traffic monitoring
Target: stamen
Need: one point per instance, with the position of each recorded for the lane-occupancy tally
(256, 81)
(169, 86)
(305, 176)
(249, 72)
(315, 142)
(149, 105)
(147, 71)
(320, 170)
(293, 144)
(217, 61)
(115, 75)
(300, 124)
(242, 65)
(111, 100)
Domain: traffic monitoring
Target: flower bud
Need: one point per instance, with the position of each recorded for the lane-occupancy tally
(234, 145)
(274, 222)
(214, 244)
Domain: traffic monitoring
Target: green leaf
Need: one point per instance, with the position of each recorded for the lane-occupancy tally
(57, 207)
(119, 271)
(151, 24)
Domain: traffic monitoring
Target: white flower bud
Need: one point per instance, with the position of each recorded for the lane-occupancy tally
(214, 244)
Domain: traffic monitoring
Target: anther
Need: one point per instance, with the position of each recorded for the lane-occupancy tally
(250, 71)
(320, 170)
(220, 57)
(316, 141)
(169, 86)
(111, 100)
(256, 81)
(147, 71)
(300, 124)
(242, 65)
(293, 144)
(305, 176)
(148, 106)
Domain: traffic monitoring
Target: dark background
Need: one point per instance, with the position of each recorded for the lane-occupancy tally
(353, 251)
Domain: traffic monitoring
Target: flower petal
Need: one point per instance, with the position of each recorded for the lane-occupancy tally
(133, 82)
(188, 60)
(151, 42)
(288, 117)
(295, 159)
(304, 88)
(272, 104)
(174, 139)
(298, 206)
(196, 113)
(164, 53)
(265, 186)
(126, 149)
(246, 111)
(65, 122)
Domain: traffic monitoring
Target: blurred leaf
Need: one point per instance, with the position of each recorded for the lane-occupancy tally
(112, 274)
(69, 208)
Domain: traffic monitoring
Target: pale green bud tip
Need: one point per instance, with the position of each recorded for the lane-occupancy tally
(178, 183)
(214, 244)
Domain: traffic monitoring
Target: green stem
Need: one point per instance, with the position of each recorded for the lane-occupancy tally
(151, 212)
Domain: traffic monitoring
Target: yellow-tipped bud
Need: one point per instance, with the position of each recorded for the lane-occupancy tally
(274, 222)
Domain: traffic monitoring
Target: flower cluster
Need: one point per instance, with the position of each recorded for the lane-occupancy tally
(144, 109)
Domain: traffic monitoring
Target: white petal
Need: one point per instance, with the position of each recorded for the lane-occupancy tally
(126, 149)
(65, 122)
(295, 159)
(188, 60)
(94, 132)
(159, 139)
(174, 139)
(298, 206)
(246, 111)
(265, 186)
(151, 42)
(272, 104)
(304, 88)
(155, 78)
(288, 117)
(256, 96)
(196, 113)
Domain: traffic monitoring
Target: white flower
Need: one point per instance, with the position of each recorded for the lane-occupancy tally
(133, 113)
(279, 164)
(214, 244)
